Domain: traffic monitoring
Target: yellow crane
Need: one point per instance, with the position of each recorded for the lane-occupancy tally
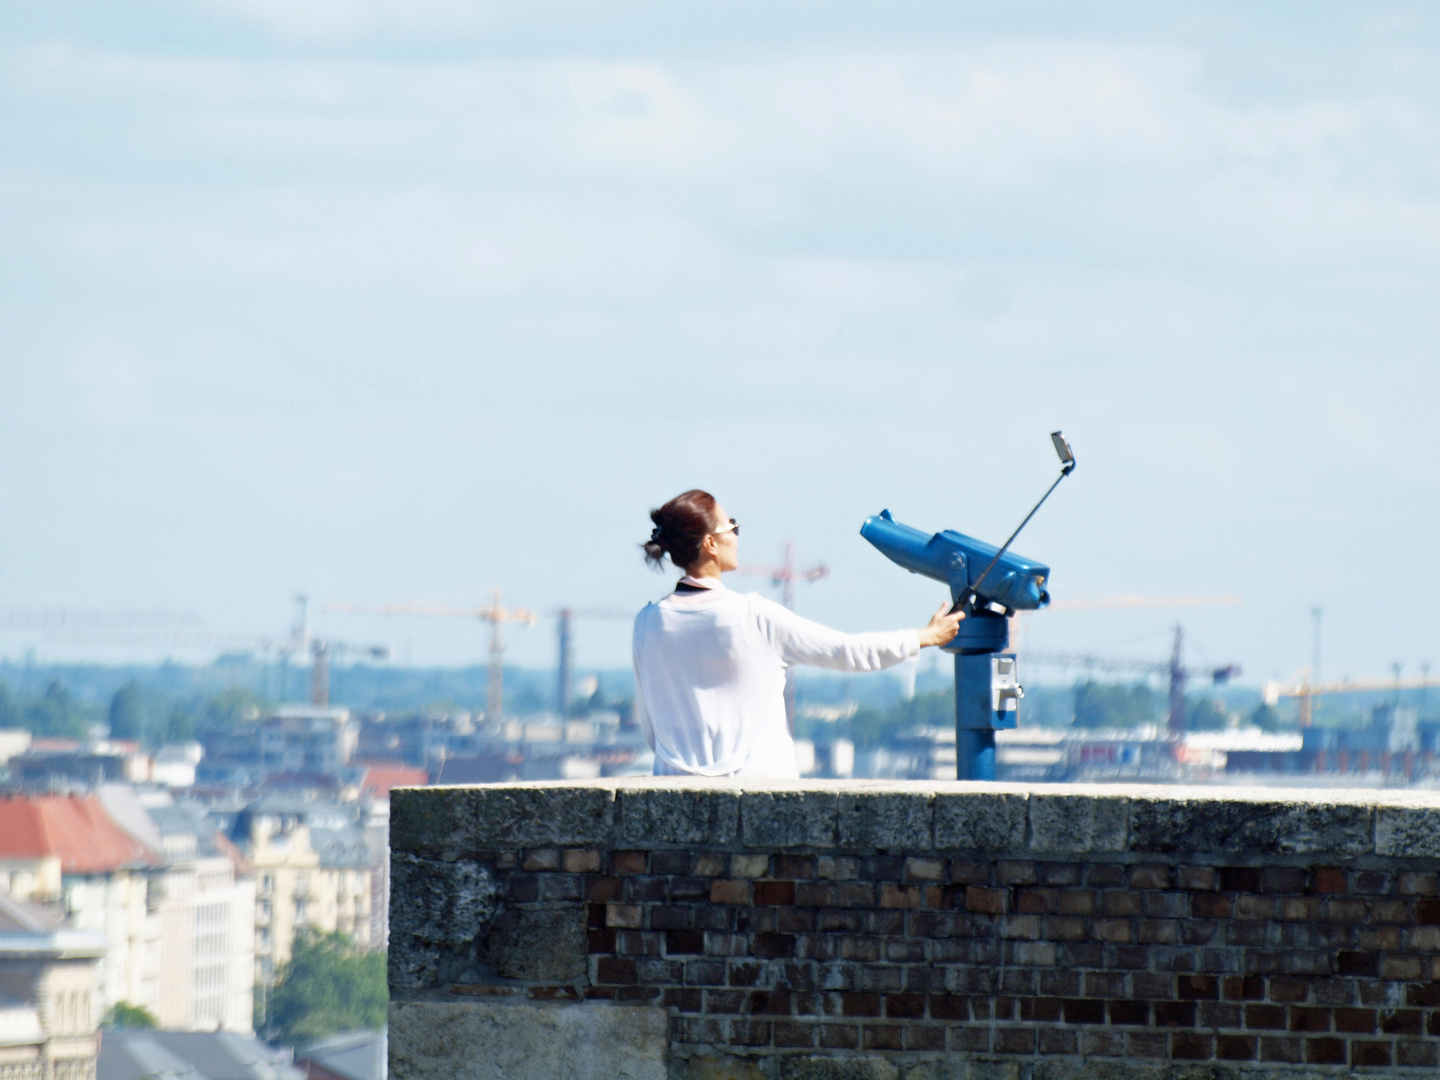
(493, 613)
(1307, 691)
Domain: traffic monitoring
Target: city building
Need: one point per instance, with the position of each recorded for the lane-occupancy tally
(184, 1055)
(206, 906)
(313, 871)
(67, 850)
(298, 740)
(48, 1005)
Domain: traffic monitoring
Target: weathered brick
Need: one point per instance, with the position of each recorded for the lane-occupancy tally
(708, 865)
(774, 892)
(1212, 905)
(624, 916)
(1265, 1017)
(1412, 883)
(969, 1040)
(882, 1037)
(628, 862)
(1121, 903)
(1281, 1049)
(1328, 879)
(986, 900)
(1147, 1044)
(1074, 902)
(855, 894)
(1150, 877)
(837, 867)
(1016, 873)
(1417, 1054)
(1192, 1046)
(1175, 1014)
(581, 860)
(1014, 1041)
(1115, 930)
(1130, 1012)
(541, 859)
(792, 1033)
(1363, 1053)
(860, 1004)
(900, 896)
(969, 873)
(1197, 878)
(729, 891)
(1236, 1047)
(839, 1036)
(1309, 1018)
(1357, 963)
(750, 1032)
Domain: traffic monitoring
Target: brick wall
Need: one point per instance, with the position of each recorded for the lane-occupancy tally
(913, 927)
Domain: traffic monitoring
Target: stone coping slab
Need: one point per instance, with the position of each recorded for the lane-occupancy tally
(1091, 819)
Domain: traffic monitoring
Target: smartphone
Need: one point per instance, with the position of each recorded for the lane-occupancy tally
(1067, 456)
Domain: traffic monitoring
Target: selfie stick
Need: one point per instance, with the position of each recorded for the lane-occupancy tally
(1067, 462)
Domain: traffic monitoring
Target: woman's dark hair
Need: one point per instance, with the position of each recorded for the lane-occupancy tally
(680, 526)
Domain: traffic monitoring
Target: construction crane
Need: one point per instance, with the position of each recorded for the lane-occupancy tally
(565, 648)
(1174, 668)
(321, 652)
(146, 630)
(493, 613)
(784, 576)
(1307, 692)
(1122, 601)
(63, 618)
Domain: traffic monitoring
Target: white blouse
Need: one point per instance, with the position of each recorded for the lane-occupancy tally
(710, 678)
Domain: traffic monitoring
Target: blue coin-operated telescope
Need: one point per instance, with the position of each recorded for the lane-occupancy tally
(988, 584)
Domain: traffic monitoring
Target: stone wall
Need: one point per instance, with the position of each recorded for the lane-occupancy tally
(830, 930)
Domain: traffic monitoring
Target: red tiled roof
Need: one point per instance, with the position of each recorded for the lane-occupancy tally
(379, 779)
(54, 746)
(76, 828)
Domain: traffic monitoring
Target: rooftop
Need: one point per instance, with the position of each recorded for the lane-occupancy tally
(75, 828)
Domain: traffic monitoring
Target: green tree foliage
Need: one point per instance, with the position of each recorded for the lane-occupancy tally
(1268, 718)
(179, 728)
(55, 714)
(328, 986)
(874, 727)
(127, 712)
(1106, 705)
(1205, 714)
(11, 715)
(124, 1015)
(225, 709)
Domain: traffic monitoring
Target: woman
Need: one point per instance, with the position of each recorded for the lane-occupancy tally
(710, 664)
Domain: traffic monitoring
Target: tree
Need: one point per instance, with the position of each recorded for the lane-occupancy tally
(55, 714)
(179, 728)
(127, 712)
(1206, 714)
(10, 713)
(327, 986)
(1104, 705)
(124, 1015)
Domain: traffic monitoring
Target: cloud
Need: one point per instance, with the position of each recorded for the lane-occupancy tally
(351, 20)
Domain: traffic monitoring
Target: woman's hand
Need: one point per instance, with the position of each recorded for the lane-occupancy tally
(942, 627)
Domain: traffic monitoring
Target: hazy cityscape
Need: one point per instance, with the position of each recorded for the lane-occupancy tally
(348, 346)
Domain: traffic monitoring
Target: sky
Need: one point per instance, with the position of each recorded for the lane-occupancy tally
(386, 301)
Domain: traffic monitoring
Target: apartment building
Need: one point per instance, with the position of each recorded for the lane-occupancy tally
(67, 851)
(313, 870)
(206, 905)
(48, 1003)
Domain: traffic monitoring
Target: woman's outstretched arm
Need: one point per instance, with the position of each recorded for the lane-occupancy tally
(806, 642)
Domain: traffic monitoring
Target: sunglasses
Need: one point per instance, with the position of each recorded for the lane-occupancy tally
(734, 527)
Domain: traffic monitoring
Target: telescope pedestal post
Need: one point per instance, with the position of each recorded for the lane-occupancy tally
(982, 635)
